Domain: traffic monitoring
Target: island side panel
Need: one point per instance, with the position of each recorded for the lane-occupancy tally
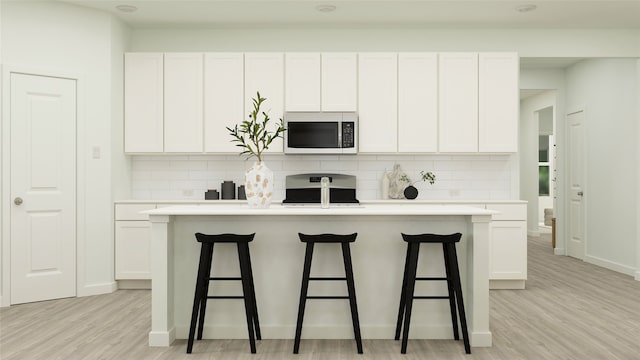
(277, 256)
(479, 282)
(162, 287)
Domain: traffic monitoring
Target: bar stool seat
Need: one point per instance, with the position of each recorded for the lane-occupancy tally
(204, 278)
(344, 240)
(453, 285)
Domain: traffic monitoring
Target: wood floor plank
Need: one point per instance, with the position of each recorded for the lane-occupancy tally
(570, 310)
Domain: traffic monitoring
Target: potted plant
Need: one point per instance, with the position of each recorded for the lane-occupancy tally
(411, 192)
(254, 137)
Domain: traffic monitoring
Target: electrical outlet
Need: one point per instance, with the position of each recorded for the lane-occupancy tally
(96, 152)
(187, 192)
(454, 192)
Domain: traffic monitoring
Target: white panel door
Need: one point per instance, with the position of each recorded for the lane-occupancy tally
(575, 247)
(418, 102)
(508, 250)
(458, 102)
(143, 102)
(43, 188)
(264, 72)
(302, 82)
(133, 250)
(378, 102)
(498, 107)
(223, 99)
(183, 96)
(339, 82)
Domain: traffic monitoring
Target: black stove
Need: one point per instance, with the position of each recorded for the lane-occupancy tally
(305, 189)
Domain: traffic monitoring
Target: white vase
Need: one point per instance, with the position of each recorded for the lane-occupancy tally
(258, 183)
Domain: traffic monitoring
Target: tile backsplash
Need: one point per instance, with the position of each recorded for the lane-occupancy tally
(458, 177)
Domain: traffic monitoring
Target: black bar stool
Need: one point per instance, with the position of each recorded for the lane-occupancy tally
(311, 240)
(452, 278)
(204, 277)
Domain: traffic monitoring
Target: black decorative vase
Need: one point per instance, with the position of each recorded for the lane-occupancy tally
(410, 192)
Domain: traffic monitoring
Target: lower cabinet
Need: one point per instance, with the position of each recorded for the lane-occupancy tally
(508, 248)
(133, 246)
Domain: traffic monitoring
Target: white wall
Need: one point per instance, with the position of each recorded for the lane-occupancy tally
(53, 36)
(607, 89)
(527, 42)
(475, 177)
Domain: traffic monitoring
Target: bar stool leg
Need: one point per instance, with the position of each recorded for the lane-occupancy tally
(403, 299)
(207, 273)
(246, 292)
(411, 283)
(452, 296)
(348, 267)
(453, 259)
(197, 298)
(303, 295)
(256, 322)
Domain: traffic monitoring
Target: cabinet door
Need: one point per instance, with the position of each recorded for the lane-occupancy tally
(458, 102)
(378, 102)
(302, 82)
(498, 102)
(183, 112)
(264, 72)
(133, 250)
(143, 102)
(339, 82)
(223, 99)
(417, 102)
(508, 250)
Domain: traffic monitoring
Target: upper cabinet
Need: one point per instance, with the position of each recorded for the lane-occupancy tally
(378, 102)
(406, 102)
(183, 111)
(498, 106)
(264, 72)
(320, 82)
(143, 105)
(302, 82)
(223, 99)
(339, 82)
(458, 102)
(418, 102)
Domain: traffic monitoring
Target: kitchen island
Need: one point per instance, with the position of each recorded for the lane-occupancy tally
(277, 257)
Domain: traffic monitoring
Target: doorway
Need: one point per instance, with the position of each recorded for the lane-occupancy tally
(42, 187)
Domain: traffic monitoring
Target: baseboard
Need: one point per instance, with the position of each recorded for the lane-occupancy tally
(610, 265)
(162, 338)
(2, 304)
(559, 251)
(637, 275)
(506, 284)
(533, 233)
(134, 284)
(483, 339)
(98, 289)
(318, 332)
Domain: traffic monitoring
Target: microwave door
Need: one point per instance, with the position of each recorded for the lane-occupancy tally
(313, 135)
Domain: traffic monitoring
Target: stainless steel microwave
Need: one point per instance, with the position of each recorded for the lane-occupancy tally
(321, 133)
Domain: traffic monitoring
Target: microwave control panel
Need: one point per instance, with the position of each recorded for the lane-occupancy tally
(348, 139)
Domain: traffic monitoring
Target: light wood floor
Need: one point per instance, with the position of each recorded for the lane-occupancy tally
(570, 310)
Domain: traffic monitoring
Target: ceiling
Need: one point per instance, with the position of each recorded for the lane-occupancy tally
(422, 13)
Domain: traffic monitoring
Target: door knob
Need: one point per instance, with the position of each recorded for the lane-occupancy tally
(17, 201)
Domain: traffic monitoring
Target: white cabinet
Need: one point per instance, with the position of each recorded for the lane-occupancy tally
(458, 102)
(508, 247)
(223, 99)
(264, 72)
(302, 82)
(378, 102)
(143, 102)
(418, 102)
(339, 82)
(132, 242)
(498, 105)
(183, 94)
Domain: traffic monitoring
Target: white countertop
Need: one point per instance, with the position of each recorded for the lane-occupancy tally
(363, 202)
(364, 209)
